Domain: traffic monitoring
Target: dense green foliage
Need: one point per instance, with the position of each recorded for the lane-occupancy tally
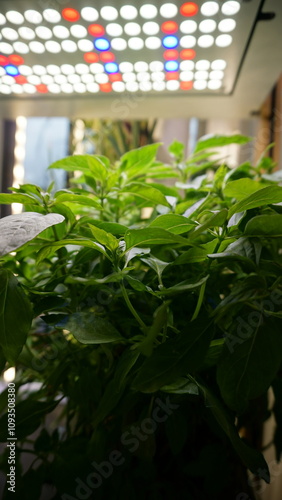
(155, 333)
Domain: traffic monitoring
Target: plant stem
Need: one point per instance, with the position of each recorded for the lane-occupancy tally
(131, 308)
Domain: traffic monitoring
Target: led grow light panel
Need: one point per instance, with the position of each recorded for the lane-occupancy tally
(90, 48)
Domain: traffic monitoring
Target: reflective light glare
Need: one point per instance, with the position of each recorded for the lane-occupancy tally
(172, 85)
(70, 15)
(111, 67)
(11, 70)
(171, 66)
(189, 9)
(102, 44)
(8, 80)
(187, 65)
(148, 11)
(151, 28)
(143, 77)
(87, 78)
(10, 34)
(126, 67)
(227, 25)
(132, 86)
(32, 16)
(129, 77)
(85, 45)
(92, 87)
(37, 47)
(216, 75)
(60, 79)
(96, 68)
(205, 41)
(15, 17)
(96, 30)
(132, 29)
(169, 27)
(145, 86)
(28, 88)
(81, 69)
(170, 42)
(6, 48)
(26, 33)
(118, 86)
(54, 88)
(207, 26)
(135, 43)
(214, 84)
(201, 75)
(141, 66)
(53, 69)
(43, 32)
(118, 44)
(203, 64)
(114, 29)
(153, 42)
(74, 78)
(109, 13)
(157, 76)
(5, 89)
(35, 80)
(168, 10)
(69, 46)
(20, 47)
(78, 31)
(52, 15)
(38, 69)
(2, 19)
(186, 76)
(25, 70)
(218, 64)
(200, 84)
(2, 71)
(128, 12)
(101, 78)
(67, 88)
(80, 88)
(188, 27)
(230, 8)
(158, 86)
(9, 375)
(156, 66)
(47, 79)
(209, 8)
(188, 41)
(89, 14)
(223, 40)
(61, 32)
(67, 69)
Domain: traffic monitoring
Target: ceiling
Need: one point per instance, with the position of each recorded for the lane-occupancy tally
(84, 72)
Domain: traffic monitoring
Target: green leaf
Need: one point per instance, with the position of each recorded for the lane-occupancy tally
(196, 254)
(177, 150)
(241, 188)
(139, 160)
(160, 320)
(264, 225)
(177, 224)
(15, 316)
(217, 220)
(85, 163)
(18, 229)
(156, 264)
(152, 236)
(110, 227)
(90, 329)
(265, 196)
(181, 386)
(249, 362)
(216, 141)
(176, 357)
(252, 459)
(106, 239)
(181, 287)
(29, 414)
(46, 250)
(89, 201)
(145, 192)
(25, 199)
